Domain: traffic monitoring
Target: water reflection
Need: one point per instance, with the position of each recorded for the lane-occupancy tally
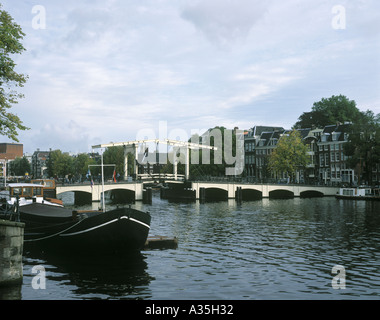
(100, 277)
(11, 292)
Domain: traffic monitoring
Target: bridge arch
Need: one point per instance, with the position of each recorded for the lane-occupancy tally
(281, 194)
(251, 194)
(123, 190)
(216, 194)
(77, 197)
(118, 195)
(311, 194)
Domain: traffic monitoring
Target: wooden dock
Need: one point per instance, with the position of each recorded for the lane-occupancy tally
(160, 242)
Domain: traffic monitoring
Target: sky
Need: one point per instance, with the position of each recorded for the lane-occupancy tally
(104, 71)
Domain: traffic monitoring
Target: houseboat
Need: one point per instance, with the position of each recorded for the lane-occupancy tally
(359, 193)
(50, 226)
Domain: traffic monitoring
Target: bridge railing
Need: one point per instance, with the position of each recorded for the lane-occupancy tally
(161, 176)
(250, 180)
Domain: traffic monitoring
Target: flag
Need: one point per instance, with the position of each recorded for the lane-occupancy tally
(146, 153)
(114, 175)
(92, 183)
(88, 173)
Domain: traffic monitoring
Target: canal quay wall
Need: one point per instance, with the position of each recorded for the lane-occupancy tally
(11, 249)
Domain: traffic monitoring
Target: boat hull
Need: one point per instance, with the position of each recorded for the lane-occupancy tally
(369, 198)
(116, 231)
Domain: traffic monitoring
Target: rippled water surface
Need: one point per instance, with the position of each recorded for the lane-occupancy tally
(267, 249)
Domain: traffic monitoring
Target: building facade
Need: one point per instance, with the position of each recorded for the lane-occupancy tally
(10, 151)
(259, 142)
(39, 163)
(332, 161)
(327, 165)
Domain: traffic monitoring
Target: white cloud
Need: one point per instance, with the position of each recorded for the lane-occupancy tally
(102, 70)
(225, 21)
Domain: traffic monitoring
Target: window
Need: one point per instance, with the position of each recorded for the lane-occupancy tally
(337, 171)
(348, 192)
(37, 191)
(321, 160)
(27, 192)
(16, 191)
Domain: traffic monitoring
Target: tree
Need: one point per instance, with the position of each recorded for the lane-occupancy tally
(10, 36)
(289, 155)
(216, 161)
(60, 164)
(81, 163)
(115, 155)
(363, 146)
(329, 111)
(19, 166)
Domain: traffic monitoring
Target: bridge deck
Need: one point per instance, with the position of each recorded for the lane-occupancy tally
(230, 187)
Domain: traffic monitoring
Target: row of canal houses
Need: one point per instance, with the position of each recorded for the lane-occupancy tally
(325, 148)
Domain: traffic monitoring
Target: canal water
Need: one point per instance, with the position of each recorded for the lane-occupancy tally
(266, 249)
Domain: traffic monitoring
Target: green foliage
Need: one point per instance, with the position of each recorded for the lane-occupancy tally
(115, 155)
(19, 166)
(60, 164)
(210, 162)
(329, 111)
(289, 155)
(81, 163)
(10, 36)
(363, 146)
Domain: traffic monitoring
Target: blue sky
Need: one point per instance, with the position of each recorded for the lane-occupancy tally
(100, 71)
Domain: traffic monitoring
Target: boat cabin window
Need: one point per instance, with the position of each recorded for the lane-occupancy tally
(17, 191)
(348, 192)
(27, 192)
(37, 192)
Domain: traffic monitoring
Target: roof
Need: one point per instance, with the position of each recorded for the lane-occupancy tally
(258, 130)
(16, 185)
(304, 132)
(266, 137)
(335, 132)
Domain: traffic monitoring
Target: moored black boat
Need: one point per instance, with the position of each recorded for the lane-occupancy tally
(49, 226)
(120, 230)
